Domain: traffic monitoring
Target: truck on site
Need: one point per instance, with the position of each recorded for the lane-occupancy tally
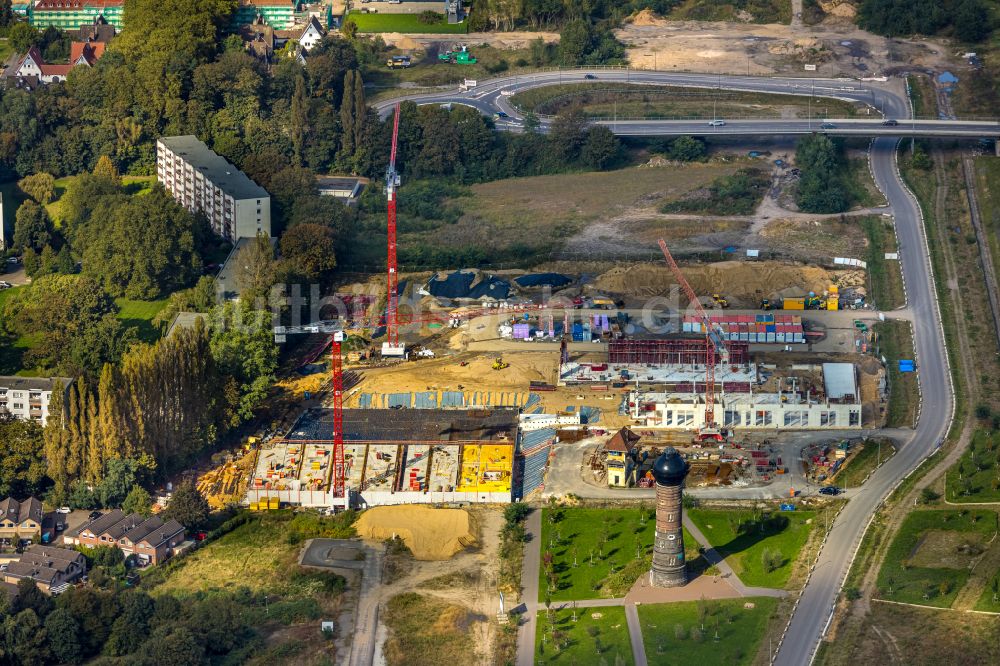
(398, 62)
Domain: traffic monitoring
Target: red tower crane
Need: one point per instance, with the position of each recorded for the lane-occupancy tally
(337, 372)
(391, 183)
(715, 348)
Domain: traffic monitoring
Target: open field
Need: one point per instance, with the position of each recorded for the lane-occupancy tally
(611, 549)
(885, 279)
(425, 630)
(863, 463)
(605, 100)
(896, 342)
(599, 635)
(917, 636)
(720, 631)
(929, 559)
(140, 314)
(260, 555)
(404, 23)
(976, 476)
(745, 540)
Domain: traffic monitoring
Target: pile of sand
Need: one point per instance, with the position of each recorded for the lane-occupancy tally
(838, 8)
(645, 17)
(430, 534)
(734, 278)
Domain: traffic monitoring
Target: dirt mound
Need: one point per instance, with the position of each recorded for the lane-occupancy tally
(838, 8)
(430, 534)
(734, 278)
(645, 17)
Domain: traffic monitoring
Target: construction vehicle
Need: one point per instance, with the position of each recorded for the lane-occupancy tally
(498, 364)
(765, 304)
(814, 302)
(398, 62)
(720, 300)
(459, 55)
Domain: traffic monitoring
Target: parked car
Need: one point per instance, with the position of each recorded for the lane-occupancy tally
(716, 123)
(94, 515)
(63, 509)
(829, 490)
(890, 122)
(500, 114)
(200, 536)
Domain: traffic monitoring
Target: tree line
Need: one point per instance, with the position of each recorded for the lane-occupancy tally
(967, 20)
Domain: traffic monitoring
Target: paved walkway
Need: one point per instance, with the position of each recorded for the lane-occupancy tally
(727, 585)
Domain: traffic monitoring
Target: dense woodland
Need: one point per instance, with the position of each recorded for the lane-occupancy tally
(966, 20)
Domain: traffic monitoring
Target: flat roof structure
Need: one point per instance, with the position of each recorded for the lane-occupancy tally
(401, 426)
(215, 168)
(840, 381)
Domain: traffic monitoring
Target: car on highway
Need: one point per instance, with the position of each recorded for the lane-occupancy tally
(827, 126)
(829, 490)
(716, 123)
(890, 122)
(590, 76)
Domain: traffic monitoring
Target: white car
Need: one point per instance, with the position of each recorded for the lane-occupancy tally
(716, 123)
(63, 509)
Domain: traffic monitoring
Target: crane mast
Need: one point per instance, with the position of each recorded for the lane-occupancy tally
(715, 346)
(391, 183)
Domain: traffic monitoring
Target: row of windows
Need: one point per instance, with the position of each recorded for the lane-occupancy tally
(791, 418)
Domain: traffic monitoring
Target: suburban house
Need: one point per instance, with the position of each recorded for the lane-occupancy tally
(85, 53)
(98, 31)
(150, 540)
(312, 34)
(29, 397)
(258, 38)
(32, 65)
(53, 569)
(20, 522)
(619, 461)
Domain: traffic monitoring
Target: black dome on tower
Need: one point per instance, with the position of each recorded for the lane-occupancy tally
(670, 468)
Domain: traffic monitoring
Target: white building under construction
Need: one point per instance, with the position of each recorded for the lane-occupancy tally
(838, 406)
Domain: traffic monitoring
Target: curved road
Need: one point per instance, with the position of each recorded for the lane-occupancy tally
(815, 605)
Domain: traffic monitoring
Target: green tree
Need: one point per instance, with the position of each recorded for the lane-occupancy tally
(22, 460)
(566, 135)
(32, 228)
(22, 37)
(574, 42)
(600, 147)
(308, 250)
(39, 186)
(170, 645)
(6, 14)
(347, 114)
(121, 476)
(243, 346)
(106, 170)
(138, 501)
(687, 149)
(63, 632)
(299, 121)
(188, 507)
(30, 598)
(822, 187)
(255, 270)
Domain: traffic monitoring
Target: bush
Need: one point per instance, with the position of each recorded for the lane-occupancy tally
(927, 496)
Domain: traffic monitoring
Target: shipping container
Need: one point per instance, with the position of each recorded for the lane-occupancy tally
(794, 304)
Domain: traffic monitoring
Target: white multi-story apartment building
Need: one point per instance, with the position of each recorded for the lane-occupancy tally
(28, 397)
(202, 181)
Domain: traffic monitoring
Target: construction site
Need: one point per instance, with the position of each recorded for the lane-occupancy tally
(461, 386)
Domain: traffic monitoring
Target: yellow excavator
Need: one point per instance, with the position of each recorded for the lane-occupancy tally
(720, 300)
(498, 364)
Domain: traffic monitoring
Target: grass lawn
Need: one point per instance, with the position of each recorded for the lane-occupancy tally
(604, 100)
(928, 560)
(742, 540)
(404, 23)
(140, 314)
(589, 640)
(976, 476)
(885, 278)
(861, 463)
(896, 342)
(5, 49)
(597, 540)
(705, 632)
(427, 631)
(260, 555)
(990, 598)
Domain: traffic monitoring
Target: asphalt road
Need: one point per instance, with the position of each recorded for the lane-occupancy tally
(491, 96)
(816, 604)
(814, 608)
